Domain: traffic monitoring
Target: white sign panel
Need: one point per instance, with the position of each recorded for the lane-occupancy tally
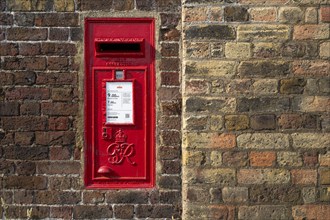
(119, 107)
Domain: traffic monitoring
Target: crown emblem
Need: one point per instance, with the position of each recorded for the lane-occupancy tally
(120, 136)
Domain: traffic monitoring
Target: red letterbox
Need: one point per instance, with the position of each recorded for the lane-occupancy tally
(119, 102)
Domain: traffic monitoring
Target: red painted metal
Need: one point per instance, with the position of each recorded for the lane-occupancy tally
(119, 154)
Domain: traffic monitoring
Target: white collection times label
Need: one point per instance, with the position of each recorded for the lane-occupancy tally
(119, 102)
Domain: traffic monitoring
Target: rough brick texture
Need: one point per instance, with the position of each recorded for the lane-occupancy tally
(256, 109)
(41, 101)
(253, 93)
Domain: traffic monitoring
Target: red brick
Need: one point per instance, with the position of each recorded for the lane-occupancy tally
(263, 14)
(25, 123)
(311, 31)
(304, 177)
(24, 63)
(57, 63)
(57, 78)
(55, 138)
(32, 93)
(8, 49)
(58, 123)
(59, 153)
(325, 14)
(62, 94)
(24, 138)
(59, 108)
(263, 2)
(235, 158)
(319, 212)
(29, 49)
(311, 68)
(169, 64)
(170, 49)
(223, 141)
(27, 34)
(262, 159)
(170, 78)
(310, 159)
(297, 121)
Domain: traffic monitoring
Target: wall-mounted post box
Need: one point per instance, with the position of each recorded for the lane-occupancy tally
(119, 102)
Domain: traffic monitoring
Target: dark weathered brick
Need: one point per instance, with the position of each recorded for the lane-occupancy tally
(29, 49)
(25, 182)
(25, 168)
(170, 182)
(27, 34)
(171, 166)
(6, 19)
(263, 122)
(96, 5)
(32, 93)
(25, 123)
(20, 212)
(62, 212)
(210, 32)
(123, 211)
(59, 108)
(30, 108)
(233, 13)
(9, 108)
(69, 78)
(140, 197)
(57, 63)
(24, 19)
(59, 49)
(58, 167)
(170, 78)
(24, 63)
(92, 212)
(275, 194)
(235, 158)
(55, 137)
(263, 68)
(7, 167)
(60, 34)
(8, 49)
(57, 197)
(24, 138)
(25, 78)
(263, 104)
(236, 122)
(56, 19)
(170, 138)
(297, 121)
(26, 153)
(292, 86)
(169, 152)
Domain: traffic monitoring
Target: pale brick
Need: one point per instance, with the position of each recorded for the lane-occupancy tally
(263, 141)
(210, 140)
(216, 122)
(235, 194)
(324, 174)
(310, 31)
(312, 104)
(209, 212)
(263, 14)
(311, 68)
(311, 15)
(291, 15)
(193, 158)
(238, 50)
(211, 68)
(263, 212)
(310, 140)
(265, 86)
(310, 212)
(195, 14)
(309, 194)
(212, 105)
(197, 50)
(325, 159)
(325, 50)
(215, 14)
(304, 177)
(292, 159)
(236, 122)
(263, 32)
(217, 176)
(64, 5)
(216, 158)
(263, 2)
(263, 176)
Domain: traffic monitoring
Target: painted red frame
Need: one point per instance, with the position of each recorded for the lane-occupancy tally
(89, 102)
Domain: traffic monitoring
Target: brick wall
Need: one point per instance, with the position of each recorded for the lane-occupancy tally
(255, 123)
(256, 109)
(41, 102)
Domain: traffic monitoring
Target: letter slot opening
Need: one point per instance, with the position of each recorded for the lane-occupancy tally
(120, 47)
